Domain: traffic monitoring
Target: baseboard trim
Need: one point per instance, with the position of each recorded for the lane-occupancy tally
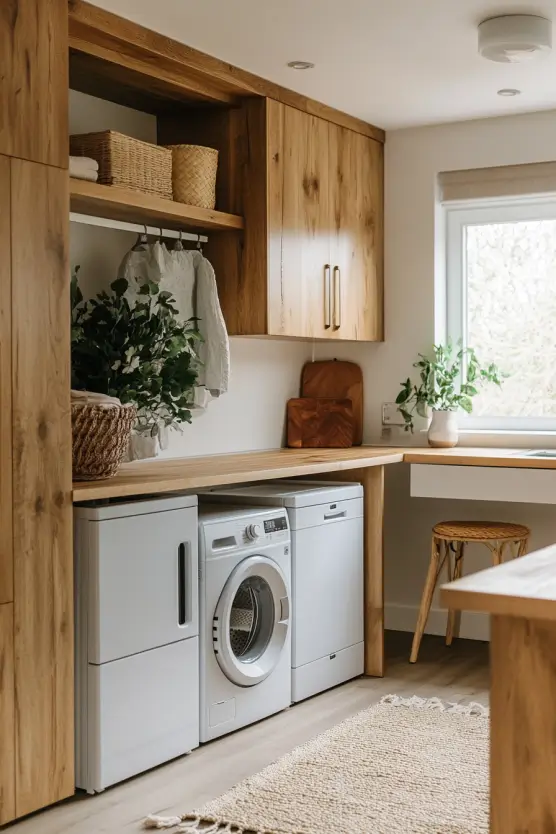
(474, 625)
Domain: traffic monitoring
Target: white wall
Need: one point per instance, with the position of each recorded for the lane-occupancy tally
(264, 373)
(414, 157)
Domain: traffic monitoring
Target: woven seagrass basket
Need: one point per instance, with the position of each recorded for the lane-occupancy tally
(100, 438)
(127, 162)
(194, 175)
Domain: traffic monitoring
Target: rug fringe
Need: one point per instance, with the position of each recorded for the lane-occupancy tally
(474, 708)
(191, 823)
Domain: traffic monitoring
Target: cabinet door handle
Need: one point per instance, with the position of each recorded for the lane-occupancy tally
(327, 298)
(337, 298)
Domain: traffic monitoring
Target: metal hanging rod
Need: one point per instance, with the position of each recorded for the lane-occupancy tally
(138, 228)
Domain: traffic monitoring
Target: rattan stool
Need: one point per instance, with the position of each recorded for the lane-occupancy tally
(449, 538)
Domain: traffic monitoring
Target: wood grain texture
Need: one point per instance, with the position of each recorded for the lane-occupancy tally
(6, 534)
(523, 726)
(175, 474)
(129, 45)
(513, 458)
(241, 261)
(7, 715)
(133, 207)
(297, 305)
(524, 587)
(357, 234)
(333, 378)
(319, 423)
(42, 521)
(34, 80)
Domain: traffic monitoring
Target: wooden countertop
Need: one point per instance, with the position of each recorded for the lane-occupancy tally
(524, 587)
(177, 474)
(461, 456)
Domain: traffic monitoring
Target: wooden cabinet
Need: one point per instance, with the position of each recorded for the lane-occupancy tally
(34, 80)
(311, 261)
(6, 539)
(7, 715)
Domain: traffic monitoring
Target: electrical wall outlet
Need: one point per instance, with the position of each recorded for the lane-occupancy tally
(391, 416)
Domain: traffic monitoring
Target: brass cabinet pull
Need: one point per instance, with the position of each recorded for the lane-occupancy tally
(337, 298)
(327, 297)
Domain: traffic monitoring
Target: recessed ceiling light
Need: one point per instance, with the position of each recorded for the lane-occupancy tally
(300, 65)
(509, 91)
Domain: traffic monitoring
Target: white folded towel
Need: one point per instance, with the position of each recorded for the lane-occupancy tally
(83, 168)
(93, 398)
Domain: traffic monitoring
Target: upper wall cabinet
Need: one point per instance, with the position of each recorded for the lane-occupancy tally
(310, 264)
(34, 80)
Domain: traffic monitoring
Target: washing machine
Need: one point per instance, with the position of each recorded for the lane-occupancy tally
(326, 523)
(245, 604)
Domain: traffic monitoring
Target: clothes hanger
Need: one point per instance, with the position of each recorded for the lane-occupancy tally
(178, 245)
(141, 242)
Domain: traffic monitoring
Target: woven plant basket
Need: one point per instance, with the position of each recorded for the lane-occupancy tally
(194, 175)
(127, 162)
(100, 438)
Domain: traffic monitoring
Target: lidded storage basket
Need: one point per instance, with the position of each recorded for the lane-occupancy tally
(100, 436)
(194, 175)
(127, 162)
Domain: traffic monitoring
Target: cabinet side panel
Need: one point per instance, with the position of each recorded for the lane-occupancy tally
(6, 535)
(42, 519)
(34, 80)
(275, 125)
(7, 753)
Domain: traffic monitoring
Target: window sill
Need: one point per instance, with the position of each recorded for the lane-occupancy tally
(507, 438)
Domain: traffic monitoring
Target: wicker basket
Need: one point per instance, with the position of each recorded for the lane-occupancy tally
(127, 162)
(100, 438)
(194, 175)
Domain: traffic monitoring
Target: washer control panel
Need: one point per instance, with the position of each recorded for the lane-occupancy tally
(254, 532)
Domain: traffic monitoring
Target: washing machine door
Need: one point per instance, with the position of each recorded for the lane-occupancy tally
(251, 621)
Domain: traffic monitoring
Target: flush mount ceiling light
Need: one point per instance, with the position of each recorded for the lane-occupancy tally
(515, 38)
(300, 65)
(509, 91)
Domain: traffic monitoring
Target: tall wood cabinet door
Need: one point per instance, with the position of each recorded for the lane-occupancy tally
(357, 237)
(6, 542)
(300, 220)
(42, 516)
(34, 80)
(7, 751)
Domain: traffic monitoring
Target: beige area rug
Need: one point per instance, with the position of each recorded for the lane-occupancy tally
(404, 766)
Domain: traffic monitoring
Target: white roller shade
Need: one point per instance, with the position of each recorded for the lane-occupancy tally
(504, 181)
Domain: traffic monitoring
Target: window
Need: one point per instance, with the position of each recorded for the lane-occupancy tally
(501, 300)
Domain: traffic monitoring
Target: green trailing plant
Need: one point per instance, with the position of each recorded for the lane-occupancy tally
(140, 352)
(448, 381)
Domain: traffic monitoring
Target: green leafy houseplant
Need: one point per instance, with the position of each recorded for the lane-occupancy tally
(448, 381)
(139, 353)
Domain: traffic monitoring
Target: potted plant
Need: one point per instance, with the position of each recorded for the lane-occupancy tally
(139, 353)
(448, 381)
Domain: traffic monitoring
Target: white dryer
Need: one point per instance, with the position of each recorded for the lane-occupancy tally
(245, 603)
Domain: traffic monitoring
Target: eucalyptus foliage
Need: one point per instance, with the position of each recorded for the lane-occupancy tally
(140, 353)
(448, 381)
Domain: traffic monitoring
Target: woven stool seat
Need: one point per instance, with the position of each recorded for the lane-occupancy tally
(480, 531)
(449, 542)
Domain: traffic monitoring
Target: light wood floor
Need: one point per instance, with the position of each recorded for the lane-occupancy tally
(457, 674)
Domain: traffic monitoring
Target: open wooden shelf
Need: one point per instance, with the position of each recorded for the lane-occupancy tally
(133, 207)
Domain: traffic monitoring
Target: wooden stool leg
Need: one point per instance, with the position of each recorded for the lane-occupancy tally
(454, 617)
(435, 566)
(522, 547)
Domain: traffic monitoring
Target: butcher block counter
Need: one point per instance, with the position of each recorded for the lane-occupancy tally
(520, 597)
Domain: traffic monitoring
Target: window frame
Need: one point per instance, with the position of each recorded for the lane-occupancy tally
(458, 215)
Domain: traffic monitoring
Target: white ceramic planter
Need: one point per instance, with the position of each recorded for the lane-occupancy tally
(443, 429)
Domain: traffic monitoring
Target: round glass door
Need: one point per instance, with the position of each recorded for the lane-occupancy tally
(251, 621)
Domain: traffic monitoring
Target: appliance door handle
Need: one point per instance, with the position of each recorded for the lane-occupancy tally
(337, 298)
(184, 582)
(327, 298)
(284, 609)
(331, 516)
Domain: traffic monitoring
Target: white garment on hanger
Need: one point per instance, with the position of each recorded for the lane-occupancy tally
(190, 278)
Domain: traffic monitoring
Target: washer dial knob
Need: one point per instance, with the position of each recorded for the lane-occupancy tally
(253, 531)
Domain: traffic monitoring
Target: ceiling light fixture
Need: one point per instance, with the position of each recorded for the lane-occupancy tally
(300, 65)
(515, 38)
(509, 91)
